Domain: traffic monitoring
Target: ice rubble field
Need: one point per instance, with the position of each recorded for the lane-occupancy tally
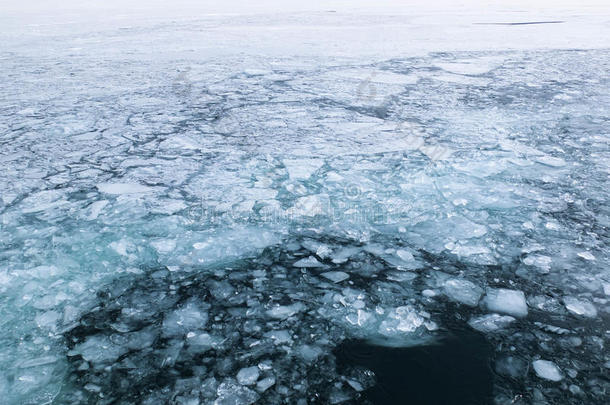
(188, 231)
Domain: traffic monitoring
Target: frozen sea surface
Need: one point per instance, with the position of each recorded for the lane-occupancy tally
(189, 225)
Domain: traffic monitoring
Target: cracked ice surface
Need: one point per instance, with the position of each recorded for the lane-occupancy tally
(221, 224)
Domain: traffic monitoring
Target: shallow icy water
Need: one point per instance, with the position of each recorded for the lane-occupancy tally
(242, 229)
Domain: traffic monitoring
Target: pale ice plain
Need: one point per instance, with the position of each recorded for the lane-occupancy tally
(284, 202)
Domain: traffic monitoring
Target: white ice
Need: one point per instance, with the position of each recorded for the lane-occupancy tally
(547, 369)
(463, 291)
(504, 301)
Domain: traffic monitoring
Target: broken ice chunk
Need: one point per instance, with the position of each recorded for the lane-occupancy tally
(124, 247)
(490, 322)
(164, 246)
(320, 249)
(401, 276)
(309, 206)
(309, 353)
(302, 169)
(405, 255)
(230, 393)
(547, 370)
(167, 206)
(308, 262)
(540, 261)
(402, 259)
(342, 255)
(123, 188)
(355, 385)
(95, 209)
(201, 342)
(545, 303)
(264, 384)
(575, 389)
(552, 328)
(504, 301)
(184, 320)
(336, 276)
(47, 320)
(279, 337)
(285, 311)
(401, 320)
(586, 255)
(511, 366)
(359, 318)
(99, 349)
(92, 387)
(463, 291)
(221, 290)
(248, 375)
(580, 307)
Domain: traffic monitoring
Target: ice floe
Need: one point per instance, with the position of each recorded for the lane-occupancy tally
(505, 301)
(547, 369)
